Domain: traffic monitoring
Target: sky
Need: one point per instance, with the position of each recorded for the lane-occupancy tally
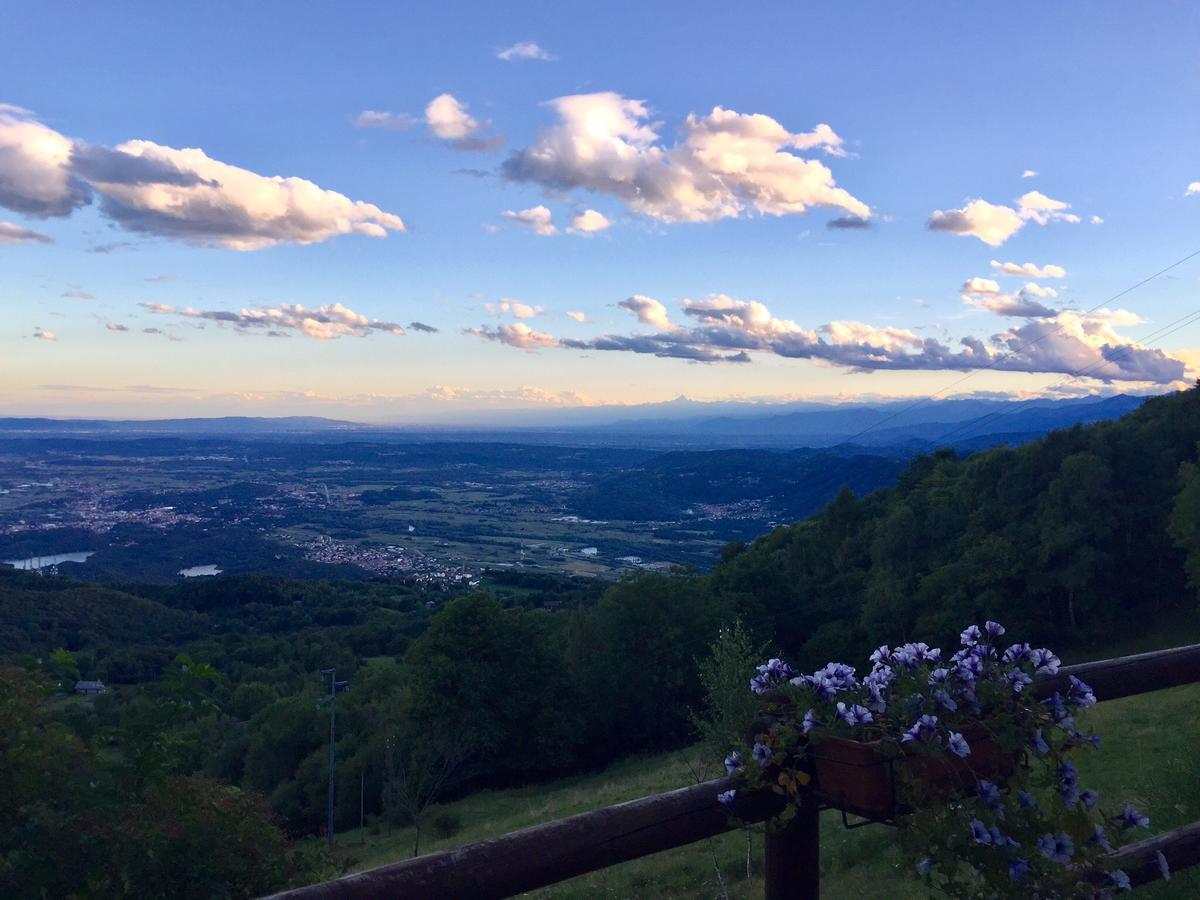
(414, 212)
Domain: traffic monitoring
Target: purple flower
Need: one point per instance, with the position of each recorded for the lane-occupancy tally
(1016, 680)
(993, 629)
(1131, 818)
(1027, 800)
(939, 676)
(1017, 868)
(761, 754)
(876, 701)
(922, 730)
(1058, 849)
(958, 744)
(1080, 694)
(1000, 840)
(1163, 868)
(1120, 879)
(1090, 798)
(758, 684)
(882, 655)
(970, 636)
(1100, 838)
(980, 833)
(725, 798)
(945, 700)
(989, 794)
(734, 762)
(1044, 662)
(1039, 743)
(854, 715)
(925, 866)
(810, 722)
(1018, 653)
(770, 673)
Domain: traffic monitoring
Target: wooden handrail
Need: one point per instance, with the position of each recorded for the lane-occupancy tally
(555, 851)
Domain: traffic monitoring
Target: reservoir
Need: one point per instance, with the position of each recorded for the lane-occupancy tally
(200, 571)
(42, 562)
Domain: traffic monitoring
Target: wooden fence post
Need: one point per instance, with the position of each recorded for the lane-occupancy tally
(792, 856)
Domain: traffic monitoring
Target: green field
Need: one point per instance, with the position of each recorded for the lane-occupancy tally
(1149, 758)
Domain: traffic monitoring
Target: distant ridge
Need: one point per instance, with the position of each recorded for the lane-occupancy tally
(217, 425)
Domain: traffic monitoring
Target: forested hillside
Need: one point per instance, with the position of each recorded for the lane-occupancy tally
(1084, 536)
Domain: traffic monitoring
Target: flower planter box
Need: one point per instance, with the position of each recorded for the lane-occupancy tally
(862, 778)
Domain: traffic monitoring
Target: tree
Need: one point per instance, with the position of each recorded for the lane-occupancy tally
(415, 772)
(1184, 524)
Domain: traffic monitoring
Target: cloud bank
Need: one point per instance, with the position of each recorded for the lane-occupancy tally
(182, 194)
(322, 323)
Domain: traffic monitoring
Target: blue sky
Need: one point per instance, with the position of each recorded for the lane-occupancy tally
(932, 107)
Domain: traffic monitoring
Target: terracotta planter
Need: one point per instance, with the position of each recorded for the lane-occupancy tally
(859, 777)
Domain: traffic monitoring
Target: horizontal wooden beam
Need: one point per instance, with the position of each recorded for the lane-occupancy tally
(555, 851)
(1181, 848)
(552, 852)
(1125, 676)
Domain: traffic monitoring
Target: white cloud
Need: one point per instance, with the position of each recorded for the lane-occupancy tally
(579, 316)
(514, 308)
(11, 233)
(115, 326)
(726, 164)
(35, 168)
(1029, 173)
(1058, 342)
(1193, 188)
(1037, 290)
(183, 194)
(1096, 220)
(523, 50)
(373, 118)
(448, 120)
(538, 218)
(980, 286)
(589, 222)
(648, 311)
(1029, 270)
(525, 394)
(78, 295)
(517, 335)
(322, 322)
(983, 293)
(994, 224)
(43, 335)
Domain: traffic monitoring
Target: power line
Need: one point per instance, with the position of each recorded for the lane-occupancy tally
(1006, 355)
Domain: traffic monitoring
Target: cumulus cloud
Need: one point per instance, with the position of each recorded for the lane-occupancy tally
(43, 335)
(182, 194)
(1065, 342)
(648, 311)
(1096, 220)
(1193, 188)
(579, 316)
(514, 308)
(322, 322)
(517, 335)
(115, 326)
(523, 50)
(589, 222)
(421, 326)
(984, 293)
(374, 118)
(995, 223)
(538, 219)
(1029, 173)
(725, 165)
(448, 120)
(1029, 270)
(11, 233)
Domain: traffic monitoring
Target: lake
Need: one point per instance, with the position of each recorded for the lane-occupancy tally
(42, 562)
(200, 571)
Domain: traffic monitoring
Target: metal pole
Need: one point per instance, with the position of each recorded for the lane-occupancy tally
(332, 746)
(792, 857)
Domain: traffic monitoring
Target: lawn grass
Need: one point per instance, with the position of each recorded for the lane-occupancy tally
(1150, 757)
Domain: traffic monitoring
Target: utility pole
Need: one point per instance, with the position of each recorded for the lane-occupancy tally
(334, 687)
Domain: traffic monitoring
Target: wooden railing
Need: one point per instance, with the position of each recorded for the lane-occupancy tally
(555, 851)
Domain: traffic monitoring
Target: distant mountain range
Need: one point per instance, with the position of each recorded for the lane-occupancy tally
(914, 425)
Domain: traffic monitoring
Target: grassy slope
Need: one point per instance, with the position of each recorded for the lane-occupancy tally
(1150, 757)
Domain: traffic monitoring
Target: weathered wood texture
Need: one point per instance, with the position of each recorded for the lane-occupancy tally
(555, 851)
(1125, 676)
(792, 857)
(1181, 847)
